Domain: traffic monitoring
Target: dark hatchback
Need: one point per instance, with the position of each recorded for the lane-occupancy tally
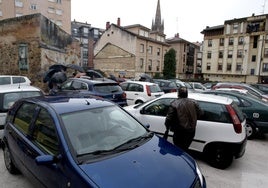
(167, 86)
(100, 87)
(255, 109)
(88, 142)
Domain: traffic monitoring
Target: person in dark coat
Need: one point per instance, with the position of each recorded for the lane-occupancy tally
(182, 118)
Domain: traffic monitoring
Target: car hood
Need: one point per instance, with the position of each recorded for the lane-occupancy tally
(157, 163)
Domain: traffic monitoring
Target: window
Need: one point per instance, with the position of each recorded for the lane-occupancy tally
(220, 67)
(221, 41)
(158, 66)
(241, 40)
(44, 134)
(239, 53)
(230, 54)
(209, 55)
(253, 58)
(255, 42)
(159, 107)
(150, 50)
(150, 65)
(141, 62)
(265, 67)
(33, 7)
(141, 48)
(266, 39)
(214, 112)
(221, 54)
(18, 3)
(231, 41)
(229, 67)
(266, 52)
(51, 10)
(209, 43)
(23, 54)
(208, 66)
(59, 12)
(24, 117)
(158, 51)
(238, 67)
(235, 27)
(252, 71)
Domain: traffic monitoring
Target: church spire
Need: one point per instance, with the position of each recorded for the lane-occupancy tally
(158, 25)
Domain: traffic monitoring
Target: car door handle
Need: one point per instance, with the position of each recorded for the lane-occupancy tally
(136, 94)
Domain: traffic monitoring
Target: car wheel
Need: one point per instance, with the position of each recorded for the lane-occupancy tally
(138, 102)
(250, 130)
(219, 157)
(8, 162)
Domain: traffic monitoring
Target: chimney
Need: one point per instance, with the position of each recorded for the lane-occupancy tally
(107, 25)
(118, 22)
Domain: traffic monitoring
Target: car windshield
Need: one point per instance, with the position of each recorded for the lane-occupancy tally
(100, 129)
(10, 98)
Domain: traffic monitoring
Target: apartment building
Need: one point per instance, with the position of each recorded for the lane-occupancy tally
(188, 60)
(58, 11)
(87, 36)
(130, 51)
(237, 50)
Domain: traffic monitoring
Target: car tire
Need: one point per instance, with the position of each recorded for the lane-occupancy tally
(10, 166)
(138, 102)
(219, 156)
(250, 130)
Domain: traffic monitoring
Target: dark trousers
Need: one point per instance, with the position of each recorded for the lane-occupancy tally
(183, 138)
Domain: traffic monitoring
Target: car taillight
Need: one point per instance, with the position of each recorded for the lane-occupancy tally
(173, 90)
(236, 121)
(148, 90)
(124, 95)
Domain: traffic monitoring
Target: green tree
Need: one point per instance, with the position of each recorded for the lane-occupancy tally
(169, 70)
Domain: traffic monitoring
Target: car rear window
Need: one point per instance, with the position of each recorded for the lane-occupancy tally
(214, 112)
(17, 80)
(107, 88)
(155, 89)
(10, 98)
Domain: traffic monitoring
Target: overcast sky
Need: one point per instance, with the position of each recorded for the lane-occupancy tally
(186, 17)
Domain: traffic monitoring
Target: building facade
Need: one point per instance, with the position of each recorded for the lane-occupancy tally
(30, 44)
(58, 11)
(130, 51)
(237, 51)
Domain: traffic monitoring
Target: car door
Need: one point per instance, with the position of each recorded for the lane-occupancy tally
(155, 113)
(41, 139)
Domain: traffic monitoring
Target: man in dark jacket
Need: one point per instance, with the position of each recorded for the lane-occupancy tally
(181, 119)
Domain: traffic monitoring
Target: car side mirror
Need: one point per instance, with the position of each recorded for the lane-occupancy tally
(46, 159)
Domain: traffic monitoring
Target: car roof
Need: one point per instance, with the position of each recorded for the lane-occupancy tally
(201, 97)
(64, 104)
(16, 88)
(94, 81)
(139, 82)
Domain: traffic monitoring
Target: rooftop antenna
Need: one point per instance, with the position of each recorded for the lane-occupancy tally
(263, 7)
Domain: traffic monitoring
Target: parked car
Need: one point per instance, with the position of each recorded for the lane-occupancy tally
(251, 89)
(255, 109)
(13, 79)
(197, 86)
(140, 91)
(11, 93)
(101, 87)
(220, 132)
(166, 85)
(209, 85)
(262, 87)
(75, 142)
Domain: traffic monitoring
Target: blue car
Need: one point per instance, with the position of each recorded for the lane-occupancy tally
(59, 141)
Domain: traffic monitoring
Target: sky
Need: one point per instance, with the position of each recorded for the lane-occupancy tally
(186, 17)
